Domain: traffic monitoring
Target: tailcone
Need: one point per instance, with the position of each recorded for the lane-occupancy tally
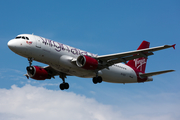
(149, 78)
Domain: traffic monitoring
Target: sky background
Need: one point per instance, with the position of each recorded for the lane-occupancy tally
(100, 27)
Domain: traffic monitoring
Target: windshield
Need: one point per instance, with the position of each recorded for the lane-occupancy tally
(22, 37)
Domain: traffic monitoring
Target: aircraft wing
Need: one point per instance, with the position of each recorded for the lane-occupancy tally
(51, 71)
(111, 59)
(54, 72)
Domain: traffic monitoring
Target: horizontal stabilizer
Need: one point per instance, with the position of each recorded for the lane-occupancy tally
(155, 73)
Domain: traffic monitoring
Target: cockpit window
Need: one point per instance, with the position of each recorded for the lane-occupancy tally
(18, 37)
(23, 37)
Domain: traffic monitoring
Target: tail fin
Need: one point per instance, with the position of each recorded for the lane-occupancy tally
(140, 63)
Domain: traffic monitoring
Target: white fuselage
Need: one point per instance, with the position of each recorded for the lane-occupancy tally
(60, 56)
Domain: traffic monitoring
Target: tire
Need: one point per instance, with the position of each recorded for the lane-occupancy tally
(95, 80)
(61, 86)
(99, 79)
(66, 85)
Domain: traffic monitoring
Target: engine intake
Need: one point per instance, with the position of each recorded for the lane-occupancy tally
(87, 62)
(37, 73)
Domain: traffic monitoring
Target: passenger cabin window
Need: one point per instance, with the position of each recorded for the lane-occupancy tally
(23, 37)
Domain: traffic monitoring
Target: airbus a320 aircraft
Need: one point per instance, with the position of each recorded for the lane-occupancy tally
(63, 60)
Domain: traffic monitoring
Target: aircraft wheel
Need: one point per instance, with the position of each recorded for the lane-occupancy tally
(95, 81)
(99, 79)
(63, 86)
(66, 85)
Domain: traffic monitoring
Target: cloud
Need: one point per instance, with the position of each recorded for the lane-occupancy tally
(30, 102)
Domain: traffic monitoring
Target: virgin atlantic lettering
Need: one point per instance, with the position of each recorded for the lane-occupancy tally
(63, 47)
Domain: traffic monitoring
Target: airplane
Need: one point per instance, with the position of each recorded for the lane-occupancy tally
(63, 61)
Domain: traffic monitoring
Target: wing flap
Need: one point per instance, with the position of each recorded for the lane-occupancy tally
(123, 59)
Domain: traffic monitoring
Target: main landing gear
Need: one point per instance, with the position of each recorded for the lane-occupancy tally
(63, 85)
(97, 79)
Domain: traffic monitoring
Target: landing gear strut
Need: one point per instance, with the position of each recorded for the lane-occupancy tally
(97, 79)
(63, 85)
(29, 68)
(30, 61)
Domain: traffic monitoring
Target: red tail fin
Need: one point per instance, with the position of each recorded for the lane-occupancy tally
(140, 63)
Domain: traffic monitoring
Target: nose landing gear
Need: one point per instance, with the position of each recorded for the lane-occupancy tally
(30, 61)
(29, 68)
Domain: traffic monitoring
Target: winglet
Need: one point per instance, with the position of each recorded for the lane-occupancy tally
(174, 46)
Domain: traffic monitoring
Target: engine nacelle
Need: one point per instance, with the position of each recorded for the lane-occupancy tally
(37, 73)
(87, 62)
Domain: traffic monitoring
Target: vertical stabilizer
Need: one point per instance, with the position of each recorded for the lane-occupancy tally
(140, 63)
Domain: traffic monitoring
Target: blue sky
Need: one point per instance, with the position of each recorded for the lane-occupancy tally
(101, 27)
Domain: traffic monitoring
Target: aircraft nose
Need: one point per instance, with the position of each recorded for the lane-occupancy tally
(11, 44)
(17, 46)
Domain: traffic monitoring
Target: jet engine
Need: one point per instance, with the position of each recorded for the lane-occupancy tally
(87, 62)
(37, 73)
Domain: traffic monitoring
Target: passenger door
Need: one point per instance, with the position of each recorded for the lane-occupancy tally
(38, 41)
